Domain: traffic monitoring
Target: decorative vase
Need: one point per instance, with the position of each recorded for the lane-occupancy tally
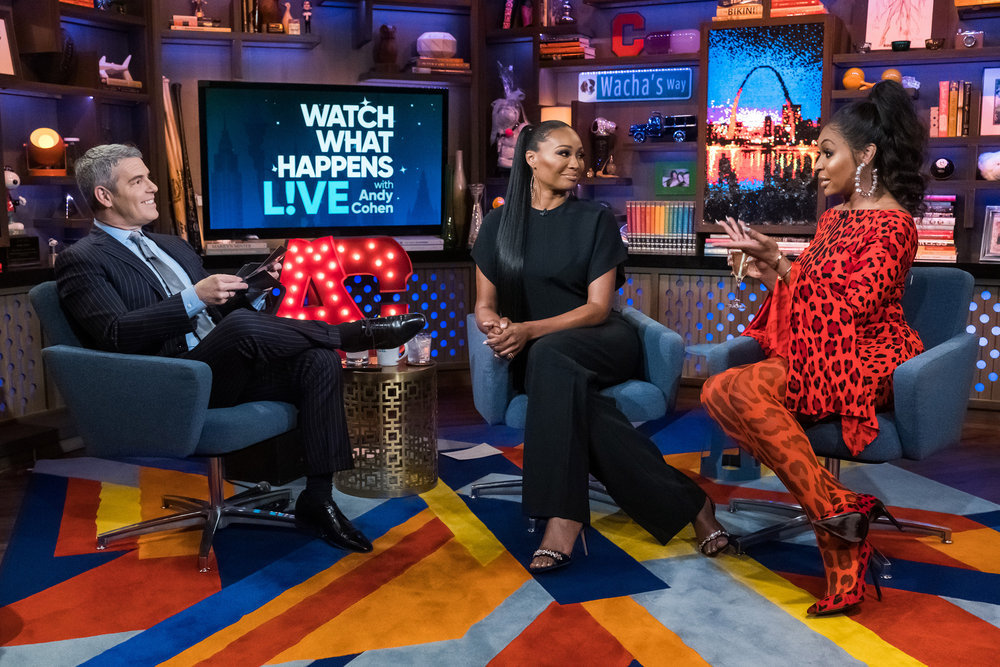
(459, 209)
(436, 45)
(476, 221)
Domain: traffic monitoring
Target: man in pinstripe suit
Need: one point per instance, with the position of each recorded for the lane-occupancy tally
(141, 293)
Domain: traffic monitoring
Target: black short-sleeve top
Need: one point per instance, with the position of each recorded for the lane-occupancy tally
(567, 248)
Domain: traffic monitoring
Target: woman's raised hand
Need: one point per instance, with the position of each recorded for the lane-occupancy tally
(759, 246)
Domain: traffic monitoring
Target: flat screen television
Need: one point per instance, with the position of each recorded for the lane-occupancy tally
(285, 160)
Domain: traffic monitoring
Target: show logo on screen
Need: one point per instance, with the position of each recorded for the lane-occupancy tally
(334, 159)
(764, 104)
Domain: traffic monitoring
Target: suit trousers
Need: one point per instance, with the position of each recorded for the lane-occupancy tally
(259, 357)
(571, 431)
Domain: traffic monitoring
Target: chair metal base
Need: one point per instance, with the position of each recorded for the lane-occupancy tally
(258, 505)
(512, 487)
(798, 522)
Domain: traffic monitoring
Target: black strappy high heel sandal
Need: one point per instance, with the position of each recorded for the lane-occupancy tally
(559, 559)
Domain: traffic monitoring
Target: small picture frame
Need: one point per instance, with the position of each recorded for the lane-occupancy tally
(990, 251)
(989, 123)
(674, 178)
(9, 61)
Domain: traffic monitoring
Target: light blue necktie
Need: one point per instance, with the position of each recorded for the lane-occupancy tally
(174, 284)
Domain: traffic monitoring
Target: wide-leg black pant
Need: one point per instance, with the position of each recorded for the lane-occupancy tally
(255, 357)
(572, 431)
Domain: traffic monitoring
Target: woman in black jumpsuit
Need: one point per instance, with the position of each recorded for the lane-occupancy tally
(547, 270)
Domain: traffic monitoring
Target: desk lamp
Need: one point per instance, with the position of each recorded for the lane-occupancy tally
(46, 153)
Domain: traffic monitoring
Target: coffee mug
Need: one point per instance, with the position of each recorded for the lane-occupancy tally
(418, 349)
(356, 359)
(391, 356)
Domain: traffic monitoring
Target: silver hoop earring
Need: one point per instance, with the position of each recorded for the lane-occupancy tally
(857, 181)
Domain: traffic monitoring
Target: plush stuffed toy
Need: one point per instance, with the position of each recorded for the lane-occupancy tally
(508, 117)
(989, 166)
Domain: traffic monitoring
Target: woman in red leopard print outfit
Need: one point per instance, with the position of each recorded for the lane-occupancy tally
(833, 327)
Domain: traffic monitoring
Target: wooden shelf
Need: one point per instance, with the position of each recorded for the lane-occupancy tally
(417, 77)
(610, 4)
(56, 91)
(99, 19)
(986, 11)
(917, 57)
(440, 6)
(532, 32)
(658, 146)
(862, 94)
(256, 39)
(634, 62)
(262, 39)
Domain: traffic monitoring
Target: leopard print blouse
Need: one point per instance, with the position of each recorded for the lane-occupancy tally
(839, 323)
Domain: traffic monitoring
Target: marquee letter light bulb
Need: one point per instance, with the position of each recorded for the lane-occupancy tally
(324, 265)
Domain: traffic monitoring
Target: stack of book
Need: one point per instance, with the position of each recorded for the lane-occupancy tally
(796, 7)
(422, 65)
(950, 118)
(790, 246)
(739, 10)
(197, 23)
(936, 230)
(565, 47)
(660, 227)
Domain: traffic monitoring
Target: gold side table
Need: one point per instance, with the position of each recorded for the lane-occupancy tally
(392, 422)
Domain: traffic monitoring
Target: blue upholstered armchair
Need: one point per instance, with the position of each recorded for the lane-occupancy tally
(650, 396)
(137, 405)
(931, 390)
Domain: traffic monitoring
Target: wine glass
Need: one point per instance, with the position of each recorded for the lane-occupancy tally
(741, 263)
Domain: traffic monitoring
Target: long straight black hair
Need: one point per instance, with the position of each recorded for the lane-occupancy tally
(512, 234)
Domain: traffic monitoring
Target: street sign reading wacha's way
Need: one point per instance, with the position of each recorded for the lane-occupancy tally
(672, 83)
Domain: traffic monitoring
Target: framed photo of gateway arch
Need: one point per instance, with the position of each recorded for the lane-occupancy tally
(764, 103)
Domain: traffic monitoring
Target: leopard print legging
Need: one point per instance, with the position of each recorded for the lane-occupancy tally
(748, 402)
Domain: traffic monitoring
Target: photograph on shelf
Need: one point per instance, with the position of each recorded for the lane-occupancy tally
(989, 122)
(674, 178)
(8, 50)
(898, 21)
(763, 121)
(991, 236)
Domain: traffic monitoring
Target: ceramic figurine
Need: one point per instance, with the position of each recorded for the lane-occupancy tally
(307, 14)
(387, 50)
(602, 142)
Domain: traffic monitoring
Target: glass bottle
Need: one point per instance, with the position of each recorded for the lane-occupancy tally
(459, 210)
(449, 235)
(476, 221)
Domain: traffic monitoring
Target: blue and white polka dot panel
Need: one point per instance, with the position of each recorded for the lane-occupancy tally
(984, 323)
(441, 293)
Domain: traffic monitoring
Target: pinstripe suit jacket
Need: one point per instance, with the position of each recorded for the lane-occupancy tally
(116, 301)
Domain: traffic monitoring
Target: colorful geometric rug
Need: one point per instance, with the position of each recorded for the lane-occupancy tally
(446, 583)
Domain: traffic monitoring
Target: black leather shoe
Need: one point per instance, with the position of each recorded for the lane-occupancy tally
(380, 332)
(324, 519)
